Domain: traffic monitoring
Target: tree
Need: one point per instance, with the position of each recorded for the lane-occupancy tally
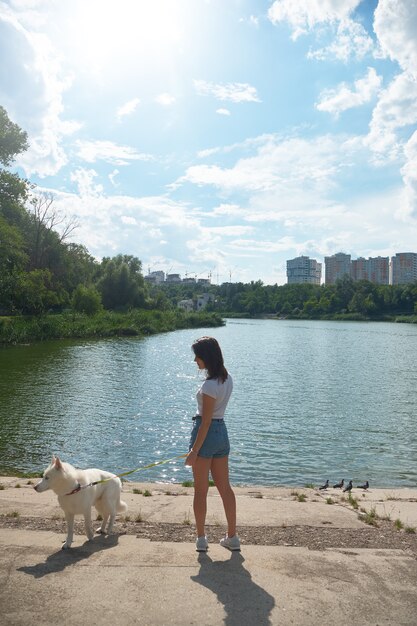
(86, 300)
(13, 140)
(45, 240)
(34, 293)
(13, 217)
(121, 284)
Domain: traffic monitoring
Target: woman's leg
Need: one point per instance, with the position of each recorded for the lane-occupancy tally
(220, 473)
(201, 470)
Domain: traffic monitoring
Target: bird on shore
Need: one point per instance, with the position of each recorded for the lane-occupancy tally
(365, 486)
(326, 484)
(339, 485)
(348, 487)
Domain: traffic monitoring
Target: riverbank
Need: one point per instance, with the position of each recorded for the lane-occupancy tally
(303, 561)
(25, 329)
(317, 519)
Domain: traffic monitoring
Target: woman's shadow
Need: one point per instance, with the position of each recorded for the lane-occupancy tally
(243, 600)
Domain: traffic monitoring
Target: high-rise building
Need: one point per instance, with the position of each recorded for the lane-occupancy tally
(403, 268)
(359, 269)
(378, 270)
(302, 269)
(374, 269)
(336, 266)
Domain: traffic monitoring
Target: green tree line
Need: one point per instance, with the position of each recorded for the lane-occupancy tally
(346, 299)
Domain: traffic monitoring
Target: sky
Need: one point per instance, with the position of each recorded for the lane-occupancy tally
(219, 138)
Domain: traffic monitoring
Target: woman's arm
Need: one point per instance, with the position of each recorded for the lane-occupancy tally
(208, 409)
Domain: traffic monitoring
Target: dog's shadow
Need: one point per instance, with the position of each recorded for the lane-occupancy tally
(58, 561)
(244, 601)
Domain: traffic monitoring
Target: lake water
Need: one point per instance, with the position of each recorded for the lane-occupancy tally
(312, 400)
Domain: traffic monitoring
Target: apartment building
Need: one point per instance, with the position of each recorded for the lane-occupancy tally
(302, 269)
(378, 270)
(404, 268)
(336, 266)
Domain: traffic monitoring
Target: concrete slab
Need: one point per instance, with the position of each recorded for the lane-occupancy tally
(125, 580)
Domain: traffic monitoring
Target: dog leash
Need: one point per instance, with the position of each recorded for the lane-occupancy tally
(133, 471)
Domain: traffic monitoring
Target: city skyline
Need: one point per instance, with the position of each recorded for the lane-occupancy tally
(398, 269)
(216, 138)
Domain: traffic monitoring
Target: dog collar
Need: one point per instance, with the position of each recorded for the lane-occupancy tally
(76, 489)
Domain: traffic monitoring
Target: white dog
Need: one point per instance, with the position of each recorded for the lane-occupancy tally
(67, 482)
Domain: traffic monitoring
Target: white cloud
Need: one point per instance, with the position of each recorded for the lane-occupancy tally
(235, 92)
(92, 151)
(395, 25)
(279, 165)
(227, 209)
(84, 180)
(396, 109)
(409, 173)
(112, 177)
(342, 98)
(223, 112)
(129, 220)
(229, 231)
(256, 245)
(35, 73)
(202, 154)
(303, 15)
(350, 40)
(165, 99)
(128, 108)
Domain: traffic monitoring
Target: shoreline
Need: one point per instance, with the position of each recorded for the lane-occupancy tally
(22, 476)
(258, 506)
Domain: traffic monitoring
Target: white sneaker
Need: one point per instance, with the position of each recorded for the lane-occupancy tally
(201, 544)
(231, 543)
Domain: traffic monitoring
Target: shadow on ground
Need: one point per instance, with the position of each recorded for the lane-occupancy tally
(244, 601)
(58, 561)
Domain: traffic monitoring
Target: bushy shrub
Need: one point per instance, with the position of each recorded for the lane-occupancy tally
(86, 300)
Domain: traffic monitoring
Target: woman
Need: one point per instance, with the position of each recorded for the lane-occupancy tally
(209, 444)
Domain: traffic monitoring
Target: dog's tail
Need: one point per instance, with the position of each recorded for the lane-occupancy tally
(121, 507)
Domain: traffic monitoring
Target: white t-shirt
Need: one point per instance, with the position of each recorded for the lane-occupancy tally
(218, 390)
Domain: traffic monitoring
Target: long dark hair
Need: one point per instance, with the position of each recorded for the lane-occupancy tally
(208, 350)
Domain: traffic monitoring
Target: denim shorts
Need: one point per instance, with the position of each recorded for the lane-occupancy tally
(216, 444)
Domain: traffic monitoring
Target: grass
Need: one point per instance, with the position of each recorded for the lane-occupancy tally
(369, 517)
(329, 501)
(410, 529)
(14, 514)
(353, 502)
(190, 483)
(2, 487)
(137, 491)
(187, 520)
(309, 486)
(301, 497)
(137, 322)
(17, 486)
(139, 518)
(398, 524)
(147, 493)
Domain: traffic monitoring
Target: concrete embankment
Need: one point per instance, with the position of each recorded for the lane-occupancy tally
(307, 557)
